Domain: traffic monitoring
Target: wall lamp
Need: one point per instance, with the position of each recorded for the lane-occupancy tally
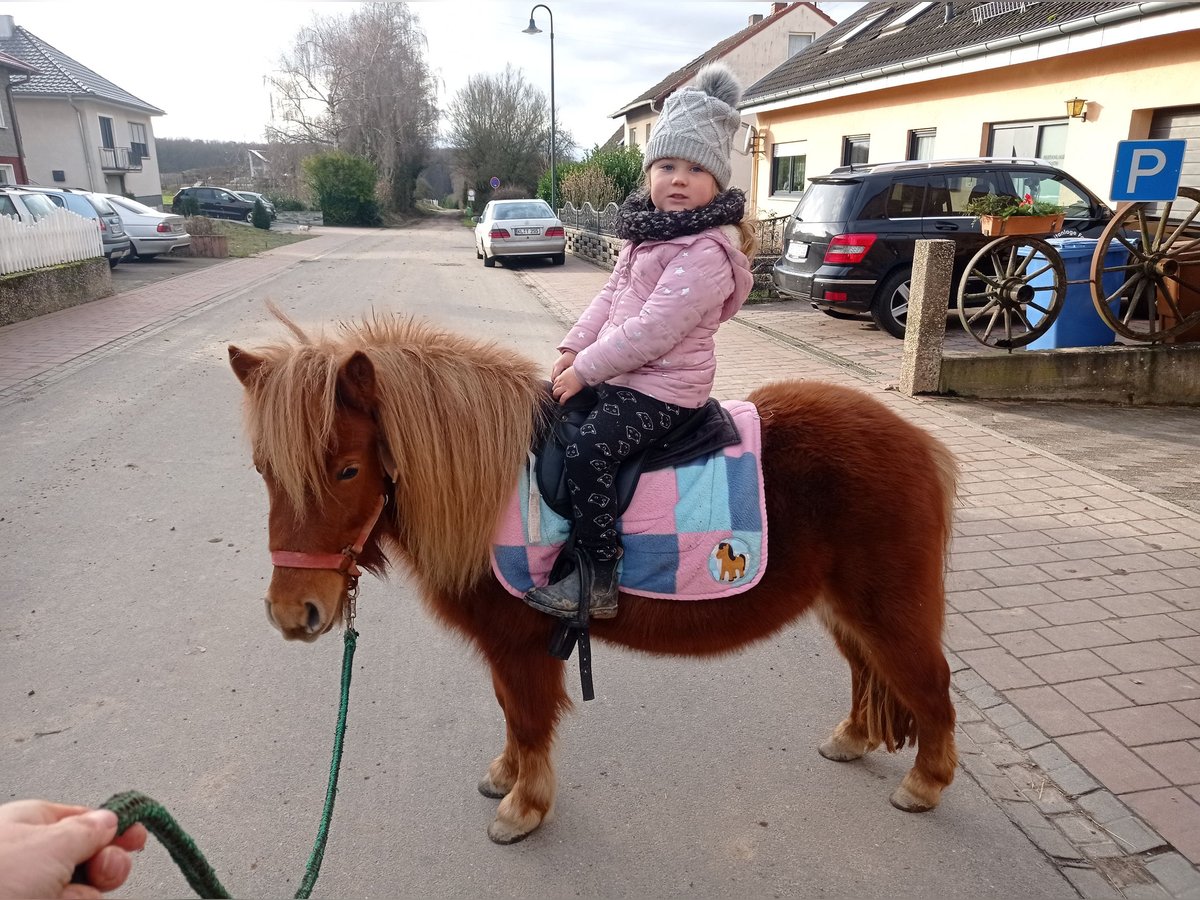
(1077, 109)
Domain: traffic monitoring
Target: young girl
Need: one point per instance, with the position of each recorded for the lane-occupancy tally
(646, 342)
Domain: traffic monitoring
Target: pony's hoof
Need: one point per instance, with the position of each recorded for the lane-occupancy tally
(504, 833)
(839, 752)
(488, 789)
(904, 799)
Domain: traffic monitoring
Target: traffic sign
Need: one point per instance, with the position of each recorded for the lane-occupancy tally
(1147, 170)
(495, 182)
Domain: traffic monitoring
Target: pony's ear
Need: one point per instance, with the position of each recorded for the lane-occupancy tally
(356, 382)
(244, 364)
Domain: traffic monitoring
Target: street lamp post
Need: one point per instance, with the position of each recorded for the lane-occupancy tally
(533, 29)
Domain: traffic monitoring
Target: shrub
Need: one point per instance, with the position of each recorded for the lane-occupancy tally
(286, 204)
(450, 202)
(200, 225)
(189, 207)
(344, 186)
(589, 184)
(259, 217)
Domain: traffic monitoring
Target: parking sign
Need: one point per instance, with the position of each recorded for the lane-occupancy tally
(1147, 170)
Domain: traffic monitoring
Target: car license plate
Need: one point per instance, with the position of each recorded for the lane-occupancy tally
(527, 230)
(797, 251)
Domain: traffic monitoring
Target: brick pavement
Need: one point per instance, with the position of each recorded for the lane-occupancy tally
(1074, 595)
(1074, 600)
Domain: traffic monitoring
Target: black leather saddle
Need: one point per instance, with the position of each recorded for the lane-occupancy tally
(707, 430)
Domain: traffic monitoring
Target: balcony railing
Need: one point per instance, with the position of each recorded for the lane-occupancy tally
(120, 159)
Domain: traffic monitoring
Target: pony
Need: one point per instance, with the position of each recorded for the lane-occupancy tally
(733, 566)
(401, 443)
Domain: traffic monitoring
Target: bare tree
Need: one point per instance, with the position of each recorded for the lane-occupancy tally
(361, 84)
(500, 126)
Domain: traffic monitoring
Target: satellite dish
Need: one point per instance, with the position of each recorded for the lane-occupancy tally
(748, 141)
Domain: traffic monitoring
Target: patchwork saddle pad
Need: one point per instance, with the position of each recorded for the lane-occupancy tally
(694, 532)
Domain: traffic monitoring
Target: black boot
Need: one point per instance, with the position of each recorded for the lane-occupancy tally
(592, 578)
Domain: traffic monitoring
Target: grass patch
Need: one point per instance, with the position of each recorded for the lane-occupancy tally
(246, 240)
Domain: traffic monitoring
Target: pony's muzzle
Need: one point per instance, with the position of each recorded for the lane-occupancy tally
(304, 603)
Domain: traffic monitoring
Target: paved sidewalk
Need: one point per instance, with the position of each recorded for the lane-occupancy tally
(1074, 604)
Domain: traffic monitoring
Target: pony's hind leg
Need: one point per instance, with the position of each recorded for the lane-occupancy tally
(530, 689)
(851, 739)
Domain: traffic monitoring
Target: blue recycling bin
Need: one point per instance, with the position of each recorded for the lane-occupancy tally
(1078, 324)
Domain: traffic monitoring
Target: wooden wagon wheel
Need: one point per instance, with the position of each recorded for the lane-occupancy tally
(997, 292)
(1154, 300)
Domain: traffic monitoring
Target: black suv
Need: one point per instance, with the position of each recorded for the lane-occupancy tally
(849, 244)
(218, 203)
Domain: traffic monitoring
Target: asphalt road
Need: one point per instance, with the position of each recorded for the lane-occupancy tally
(135, 654)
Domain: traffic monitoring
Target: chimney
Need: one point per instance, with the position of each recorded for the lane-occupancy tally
(6, 27)
(755, 19)
(777, 8)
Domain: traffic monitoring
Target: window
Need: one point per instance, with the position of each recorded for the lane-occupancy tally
(1040, 140)
(855, 149)
(138, 145)
(900, 21)
(633, 137)
(920, 143)
(8, 208)
(862, 26)
(787, 168)
(8, 174)
(797, 41)
(1054, 189)
(106, 132)
(3, 124)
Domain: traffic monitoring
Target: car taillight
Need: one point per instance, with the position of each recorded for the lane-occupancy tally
(848, 248)
(555, 231)
(499, 233)
(103, 227)
(163, 228)
(835, 296)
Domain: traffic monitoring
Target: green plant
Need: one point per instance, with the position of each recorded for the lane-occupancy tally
(345, 188)
(1004, 206)
(189, 206)
(286, 204)
(259, 217)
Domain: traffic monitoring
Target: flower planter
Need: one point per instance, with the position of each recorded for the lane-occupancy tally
(215, 246)
(997, 226)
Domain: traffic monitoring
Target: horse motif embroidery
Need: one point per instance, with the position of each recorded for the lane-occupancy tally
(733, 566)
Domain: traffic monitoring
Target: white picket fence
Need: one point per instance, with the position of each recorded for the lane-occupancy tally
(60, 237)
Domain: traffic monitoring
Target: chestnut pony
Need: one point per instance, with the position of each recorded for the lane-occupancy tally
(433, 427)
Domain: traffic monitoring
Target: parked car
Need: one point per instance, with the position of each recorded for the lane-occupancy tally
(24, 206)
(849, 244)
(92, 206)
(519, 228)
(218, 203)
(261, 198)
(151, 232)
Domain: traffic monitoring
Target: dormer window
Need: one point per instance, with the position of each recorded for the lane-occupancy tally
(853, 32)
(907, 16)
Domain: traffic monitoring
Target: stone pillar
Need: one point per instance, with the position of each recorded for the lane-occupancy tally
(925, 329)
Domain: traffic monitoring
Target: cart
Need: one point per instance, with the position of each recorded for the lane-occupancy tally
(1014, 288)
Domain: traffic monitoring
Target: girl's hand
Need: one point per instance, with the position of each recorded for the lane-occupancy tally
(565, 360)
(567, 384)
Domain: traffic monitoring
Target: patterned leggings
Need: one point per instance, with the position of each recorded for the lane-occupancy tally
(623, 422)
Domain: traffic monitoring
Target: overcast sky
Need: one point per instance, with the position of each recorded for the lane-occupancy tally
(204, 63)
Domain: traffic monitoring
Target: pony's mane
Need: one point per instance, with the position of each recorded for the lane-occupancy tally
(456, 414)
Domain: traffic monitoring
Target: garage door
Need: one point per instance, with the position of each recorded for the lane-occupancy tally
(1181, 122)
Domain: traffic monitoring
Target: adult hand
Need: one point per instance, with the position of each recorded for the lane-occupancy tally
(567, 385)
(41, 843)
(565, 360)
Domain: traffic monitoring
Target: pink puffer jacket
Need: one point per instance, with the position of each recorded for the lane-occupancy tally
(651, 328)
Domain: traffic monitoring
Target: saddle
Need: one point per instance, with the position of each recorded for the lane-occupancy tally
(709, 429)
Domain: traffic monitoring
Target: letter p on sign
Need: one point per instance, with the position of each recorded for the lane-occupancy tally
(1147, 170)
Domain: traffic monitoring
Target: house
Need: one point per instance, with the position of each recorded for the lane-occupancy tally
(78, 129)
(12, 163)
(760, 47)
(1064, 82)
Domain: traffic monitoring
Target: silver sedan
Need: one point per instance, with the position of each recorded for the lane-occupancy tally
(152, 232)
(519, 228)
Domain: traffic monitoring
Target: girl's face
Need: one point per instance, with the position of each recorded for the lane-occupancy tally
(678, 184)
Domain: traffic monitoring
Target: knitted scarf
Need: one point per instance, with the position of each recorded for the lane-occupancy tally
(639, 221)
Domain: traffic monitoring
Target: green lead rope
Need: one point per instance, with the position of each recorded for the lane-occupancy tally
(133, 806)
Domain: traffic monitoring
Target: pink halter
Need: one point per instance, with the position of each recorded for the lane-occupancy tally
(345, 562)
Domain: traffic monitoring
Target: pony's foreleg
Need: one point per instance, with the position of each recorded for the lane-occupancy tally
(531, 693)
(502, 773)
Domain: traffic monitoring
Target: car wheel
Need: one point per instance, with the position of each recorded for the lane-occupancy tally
(890, 307)
(112, 262)
(250, 217)
(478, 252)
(489, 261)
(559, 259)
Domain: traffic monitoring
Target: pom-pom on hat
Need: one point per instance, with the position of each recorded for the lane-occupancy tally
(698, 123)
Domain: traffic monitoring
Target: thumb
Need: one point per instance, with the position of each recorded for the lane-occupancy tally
(79, 838)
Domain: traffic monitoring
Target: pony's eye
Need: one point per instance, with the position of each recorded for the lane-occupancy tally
(347, 473)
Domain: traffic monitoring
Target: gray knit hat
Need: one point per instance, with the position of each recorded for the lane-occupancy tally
(698, 123)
